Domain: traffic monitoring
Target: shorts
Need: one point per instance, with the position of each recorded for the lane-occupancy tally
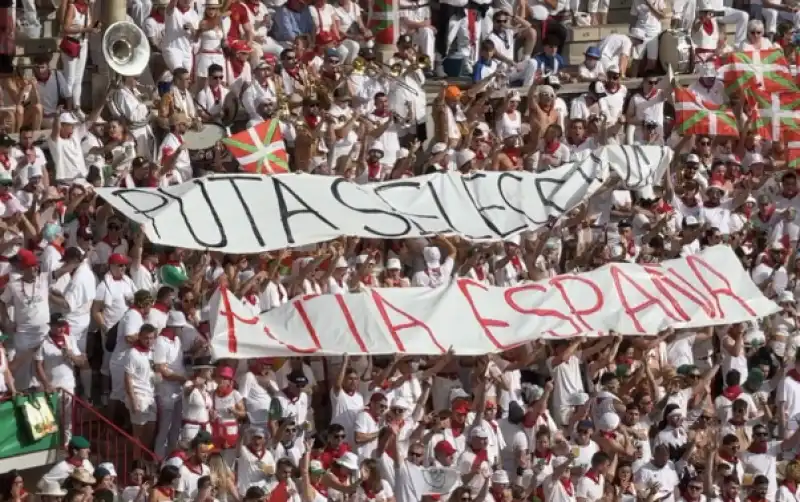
(149, 415)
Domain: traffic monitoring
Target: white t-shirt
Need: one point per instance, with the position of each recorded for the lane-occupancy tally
(57, 366)
(115, 295)
(139, 368)
(566, 379)
(68, 155)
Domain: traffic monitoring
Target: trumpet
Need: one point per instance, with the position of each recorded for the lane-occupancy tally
(424, 62)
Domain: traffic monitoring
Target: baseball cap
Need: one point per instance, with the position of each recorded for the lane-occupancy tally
(444, 447)
(593, 52)
(118, 259)
(297, 378)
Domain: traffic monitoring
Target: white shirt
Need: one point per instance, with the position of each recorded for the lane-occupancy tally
(49, 92)
(176, 37)
(614, 46)
(207, 100)
(30, 304)
(345, 408)
(170, 353)
(154, 31)
(566, 379)
(115, 297)
(57, 367)
(68, 155)
(434, 277)
(666, 476)
(169, 145)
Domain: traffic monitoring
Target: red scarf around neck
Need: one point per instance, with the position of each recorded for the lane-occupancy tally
(81, 7)
(793, 374)
(167, 492)
(758, 447)
(457, 429)
(481, 456)
(733, 392)
(140, 347)
(161, 307)
(157, 16)
(224, 391)
(168, 333)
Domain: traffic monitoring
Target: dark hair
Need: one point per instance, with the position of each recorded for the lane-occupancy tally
(179, 72)
(733, 377)
(214, 68)
(599, 458)
(7, 483)
(203, 482)
(164, 292)
(168, 475)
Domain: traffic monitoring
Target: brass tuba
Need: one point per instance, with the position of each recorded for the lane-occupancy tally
(126, 49)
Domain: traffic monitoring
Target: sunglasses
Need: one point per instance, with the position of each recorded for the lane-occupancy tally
(705, 143)
(760, 434)
(415, 454)
(652, 82)
(502, 21)
(216, 77)
(114, 227)
(339, 436)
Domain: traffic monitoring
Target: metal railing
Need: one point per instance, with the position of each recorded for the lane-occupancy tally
(110, 443)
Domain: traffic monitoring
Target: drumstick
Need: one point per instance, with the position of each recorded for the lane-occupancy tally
(205, 110)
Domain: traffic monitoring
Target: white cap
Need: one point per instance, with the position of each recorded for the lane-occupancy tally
(176, 461)
(755, 336)
(393, 264)
(514, 239)
(349, 461)
(608, 421)
(559, 461)
(400, 402)
(364, 258)
(376, 145)
(402, 153)
(500, 477)
(708, 70)
(108, 466)
(756, 158)
(636, 33)
(705, 5)
(176, 319)
(432, 257)
(612, 68)
(49, 488)
(692, 158)
(464, 156)
(67, 118)
(577, 399)
(257, 431)
(691, 220)
(438, 148)
(341, 262)
(479, 432)
(514, 96)
(786, 296)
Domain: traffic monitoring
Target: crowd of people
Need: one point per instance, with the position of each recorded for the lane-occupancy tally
(92, 309)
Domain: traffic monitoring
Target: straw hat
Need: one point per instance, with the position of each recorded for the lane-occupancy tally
(83, 476)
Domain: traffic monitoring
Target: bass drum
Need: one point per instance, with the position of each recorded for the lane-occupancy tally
(676, 49)
(201, 144)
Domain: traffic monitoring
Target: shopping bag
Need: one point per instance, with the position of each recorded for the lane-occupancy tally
(38, 416)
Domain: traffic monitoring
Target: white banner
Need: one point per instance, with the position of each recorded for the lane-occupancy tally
(244, 213)
(700, 290)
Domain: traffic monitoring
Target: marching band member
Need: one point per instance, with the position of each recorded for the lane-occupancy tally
(211, 98)
(128, 104)
(408, 88)
(78, 24)
(368, 83)
(258, 94)
(389, 127)
(250, 22)
(294, 75)
(179, 99)
(172, 151)
(180, 25)
(210, 36)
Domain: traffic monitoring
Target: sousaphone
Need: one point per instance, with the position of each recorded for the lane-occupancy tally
(126, 49)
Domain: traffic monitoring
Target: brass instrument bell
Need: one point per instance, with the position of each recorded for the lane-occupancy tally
(424, 62)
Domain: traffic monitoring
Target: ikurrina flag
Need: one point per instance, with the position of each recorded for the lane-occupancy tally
(695, 116)
(260, 149)
(766, 70)
(383, 21)
(775, 116)
(793, 150)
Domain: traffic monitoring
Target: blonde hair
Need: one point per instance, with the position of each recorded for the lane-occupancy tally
(220, 474)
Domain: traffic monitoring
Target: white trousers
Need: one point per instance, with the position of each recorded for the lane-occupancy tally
(170, 412)
(24, 342)
(771, 17)
(81, 334)
(139, 10)
(425, 39)
(684, 10)
(525, 71)
(348, 50)
(74, 69)
(593, 6)
(178, 58)
(738, 17)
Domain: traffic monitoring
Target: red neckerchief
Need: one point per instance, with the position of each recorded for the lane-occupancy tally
(481, 456)
(790, 485)
(382, 113)
(630, 247)
(59, 340)
(708, 26)
(280, 493)
(793, 374)
(193, 468)
(368, 491)
(342, 475)
(167, 492)
(753, 498)
(608, 434)
(183, 10)
(625, 360)
(512, 153)
(732, 392)
(258, 454)
(157, 16)
(729, 459)
(594, 476)
(217, 93)
(367, 280)
(479, 273)
(457, 429)
(373, 169)
(516, 262)
(44, 80)
(251, 298)
(650, 95)
(322, 489)
(112, 244)
(75, 461)
(758, 447)
(493, 425)
(312, 121)
(168, 333)
(58, 247)
(5, 197)
(81, 7)
(223, 392)
(141, 348)
(480, 154)
(5, 161)
(567, 484)
(547, 455)
(376, 417)
(161, 307)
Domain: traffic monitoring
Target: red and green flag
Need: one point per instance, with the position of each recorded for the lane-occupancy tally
(696, 116)
(766, 70)
(383, 21)
(774, 116)
(260, 149)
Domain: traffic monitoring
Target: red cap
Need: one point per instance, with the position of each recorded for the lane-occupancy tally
(377, 396)
(118, 259)
(270, 58)
(444, 447)
(240, 46)
(461, 406)
(226, 372)
(27, 259)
